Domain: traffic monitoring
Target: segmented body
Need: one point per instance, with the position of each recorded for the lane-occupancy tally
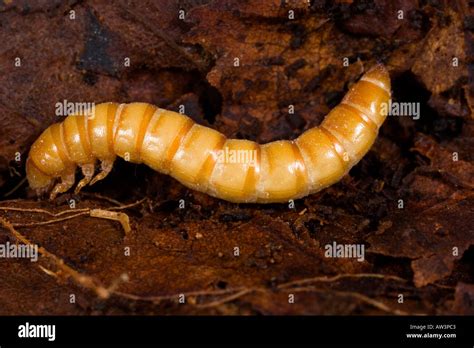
(197, 156)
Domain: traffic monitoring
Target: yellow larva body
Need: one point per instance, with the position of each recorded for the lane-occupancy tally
(204, 159)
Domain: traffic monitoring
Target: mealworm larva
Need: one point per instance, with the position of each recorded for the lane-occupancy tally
(205, 160)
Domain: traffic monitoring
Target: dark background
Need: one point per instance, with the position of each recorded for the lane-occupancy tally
(282, 62)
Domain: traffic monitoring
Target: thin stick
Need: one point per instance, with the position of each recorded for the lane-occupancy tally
(69, 211)
(225, 299)
(48, 222)
(174, 296)
(99, 213)
(84, 280)
(338, 277)
(13, 190)
(44, 211)
(112, 215)
(377, 304)
(99, 196)
(129, 205)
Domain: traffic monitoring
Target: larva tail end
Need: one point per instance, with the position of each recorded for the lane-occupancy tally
(37, 180)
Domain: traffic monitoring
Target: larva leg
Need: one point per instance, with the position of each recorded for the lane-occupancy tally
(66, 183)
(106, 167)
(88, 172)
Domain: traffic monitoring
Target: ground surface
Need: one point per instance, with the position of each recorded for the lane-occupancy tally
(422, 250)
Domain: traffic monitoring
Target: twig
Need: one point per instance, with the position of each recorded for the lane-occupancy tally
(338, 277)
(99, 196)
(99, 213)
(126, 206)
(83, 280)
(43, 211)
(225, 299)
(377, 304)
(17, 186)
(112, 215)
(48, 222)
(199, 293)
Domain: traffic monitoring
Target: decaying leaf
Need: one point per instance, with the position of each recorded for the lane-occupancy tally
(260, 70)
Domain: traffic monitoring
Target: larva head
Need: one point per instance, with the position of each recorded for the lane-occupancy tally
(37, 180)
(44, 163)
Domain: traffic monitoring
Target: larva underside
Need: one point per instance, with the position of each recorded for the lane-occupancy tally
(173, 144)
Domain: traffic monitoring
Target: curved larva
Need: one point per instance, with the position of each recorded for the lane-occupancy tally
(201, 158)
